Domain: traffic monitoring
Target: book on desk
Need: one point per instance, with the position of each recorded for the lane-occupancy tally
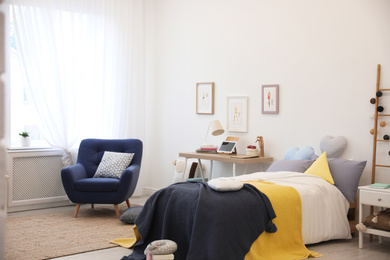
(163, 257)
(206, 151)
(379, 186)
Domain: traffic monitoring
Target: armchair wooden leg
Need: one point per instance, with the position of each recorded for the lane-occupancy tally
(117, 211)
(128, 203)
(92, 206)
(77, 210)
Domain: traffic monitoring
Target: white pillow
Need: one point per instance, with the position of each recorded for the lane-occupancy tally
(221, 184)
(113, 164)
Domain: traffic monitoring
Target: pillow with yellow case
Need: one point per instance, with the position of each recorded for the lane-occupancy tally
(320, 168)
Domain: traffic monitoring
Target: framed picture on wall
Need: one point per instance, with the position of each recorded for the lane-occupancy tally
(237, 114)
(205, 98)
(270, 99)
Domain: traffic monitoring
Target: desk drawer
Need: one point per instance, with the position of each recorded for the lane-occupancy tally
(375, 198)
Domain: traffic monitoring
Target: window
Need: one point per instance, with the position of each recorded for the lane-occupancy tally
(84, 70)
(22, 112)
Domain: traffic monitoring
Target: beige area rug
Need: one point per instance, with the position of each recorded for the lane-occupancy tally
(58, 234)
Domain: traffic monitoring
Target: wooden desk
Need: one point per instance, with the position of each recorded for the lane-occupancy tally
(221, 158)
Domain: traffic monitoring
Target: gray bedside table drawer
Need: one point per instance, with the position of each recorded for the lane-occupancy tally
(375, 198)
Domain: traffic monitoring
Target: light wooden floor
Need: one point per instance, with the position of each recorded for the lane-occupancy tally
(331, 250)
(349, 249)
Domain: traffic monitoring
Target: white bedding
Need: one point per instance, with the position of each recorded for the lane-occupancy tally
(324, 207)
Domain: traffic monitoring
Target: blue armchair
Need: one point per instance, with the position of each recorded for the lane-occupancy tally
(82, 187)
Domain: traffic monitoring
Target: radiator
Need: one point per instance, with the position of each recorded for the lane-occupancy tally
(35, 179)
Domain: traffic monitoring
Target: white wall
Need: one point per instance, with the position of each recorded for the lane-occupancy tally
(323, 54)
(2, 129)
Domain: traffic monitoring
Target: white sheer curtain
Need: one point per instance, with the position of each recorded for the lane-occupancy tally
(84, 64)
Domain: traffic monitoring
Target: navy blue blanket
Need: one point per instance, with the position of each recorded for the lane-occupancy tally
(206, 224)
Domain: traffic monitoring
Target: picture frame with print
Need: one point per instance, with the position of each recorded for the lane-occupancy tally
(237, 114)
(270, 99)
(205, 98)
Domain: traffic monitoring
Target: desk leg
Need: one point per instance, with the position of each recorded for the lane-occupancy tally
(360, 220)
(201, 170)
(184, 169)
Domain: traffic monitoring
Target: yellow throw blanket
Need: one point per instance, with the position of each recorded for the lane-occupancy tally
(287, 242)
(127, 242)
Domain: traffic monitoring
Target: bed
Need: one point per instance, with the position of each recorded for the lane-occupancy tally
(305, 209)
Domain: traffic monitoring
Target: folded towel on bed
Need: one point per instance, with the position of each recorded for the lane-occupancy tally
(222, 184)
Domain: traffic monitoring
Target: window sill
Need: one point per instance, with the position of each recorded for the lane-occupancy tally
(30, 149)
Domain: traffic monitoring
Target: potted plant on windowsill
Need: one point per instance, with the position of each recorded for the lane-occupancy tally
(25, 139)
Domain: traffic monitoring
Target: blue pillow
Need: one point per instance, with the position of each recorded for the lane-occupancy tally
(294, 153)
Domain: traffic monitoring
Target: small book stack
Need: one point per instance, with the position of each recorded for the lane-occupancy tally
(207, 149)
(379, 185)
(163, 257)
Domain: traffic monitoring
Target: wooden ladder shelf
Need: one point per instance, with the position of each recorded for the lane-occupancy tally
(374, 131)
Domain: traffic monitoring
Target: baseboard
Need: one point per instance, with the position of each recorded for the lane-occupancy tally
(149, 191)
(39, 206)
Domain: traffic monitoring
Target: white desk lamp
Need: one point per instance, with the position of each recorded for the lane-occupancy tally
(216, 129)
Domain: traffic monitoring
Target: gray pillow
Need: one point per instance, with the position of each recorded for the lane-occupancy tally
(290, 165)
(334, 146)
(346, 175)
(130, 214)
(113, 164)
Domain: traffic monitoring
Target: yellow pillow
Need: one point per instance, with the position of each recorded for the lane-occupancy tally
(320, 168)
